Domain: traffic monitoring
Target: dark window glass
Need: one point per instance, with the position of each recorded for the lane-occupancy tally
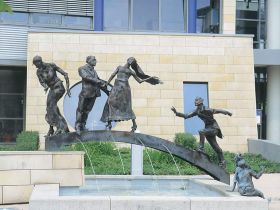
(15, 17)
(146, 15)
(9, 130)
(191, 91)
(12, 90)
(11, 106)
(77, 22)
(250, 19)
(46, 19)
(247, 10)
(247, 27)
(116, 14)
(208, 16)
(12, 81)
(172, 15)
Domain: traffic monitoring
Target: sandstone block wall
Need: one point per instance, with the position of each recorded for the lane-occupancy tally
(21, 171)
(224, 61)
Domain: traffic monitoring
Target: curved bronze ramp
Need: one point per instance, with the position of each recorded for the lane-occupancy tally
(195, 158)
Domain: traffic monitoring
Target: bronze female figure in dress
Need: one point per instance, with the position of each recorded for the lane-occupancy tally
(119, 103)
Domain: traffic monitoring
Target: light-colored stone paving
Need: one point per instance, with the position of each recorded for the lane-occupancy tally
(14, 207)
(269, 184)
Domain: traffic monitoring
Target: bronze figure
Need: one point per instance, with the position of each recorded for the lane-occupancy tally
(243, 179)
(119, 103)
(91, 85)
(48, 78)
(211, 129)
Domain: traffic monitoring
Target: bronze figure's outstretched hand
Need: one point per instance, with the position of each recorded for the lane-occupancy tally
(157, 78)
(144, 80)
(173, 110)
(229, 113)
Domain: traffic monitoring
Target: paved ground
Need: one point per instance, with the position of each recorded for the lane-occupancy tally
(269, 184)
(14, 207)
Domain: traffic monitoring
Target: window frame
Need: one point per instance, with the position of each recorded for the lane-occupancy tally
(259, 21)
(131, 18)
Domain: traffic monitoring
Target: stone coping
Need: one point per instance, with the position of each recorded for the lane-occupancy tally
(47, 197)
(41, 153)
(142, 33)
(149, 176)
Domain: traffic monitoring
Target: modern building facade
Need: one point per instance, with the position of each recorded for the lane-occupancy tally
(196, 47)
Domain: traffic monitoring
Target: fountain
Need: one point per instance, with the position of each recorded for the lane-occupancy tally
(139, 192)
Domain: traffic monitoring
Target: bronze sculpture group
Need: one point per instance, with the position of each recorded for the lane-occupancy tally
(119, 103)
(118, 106)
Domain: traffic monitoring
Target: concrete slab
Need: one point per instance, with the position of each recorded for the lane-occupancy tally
(268, 149)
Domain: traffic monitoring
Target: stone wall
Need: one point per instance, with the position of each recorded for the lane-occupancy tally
(21, 171)
(224, 61)
(229, 16)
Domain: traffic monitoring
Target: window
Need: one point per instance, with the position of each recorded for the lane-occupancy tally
(12, 95)
(172, 15)
(191, 91)
(208, 16)
(145, 15)
(250, 19)
(116, 15)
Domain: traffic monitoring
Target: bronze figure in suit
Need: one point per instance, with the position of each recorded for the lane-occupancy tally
(91, 85)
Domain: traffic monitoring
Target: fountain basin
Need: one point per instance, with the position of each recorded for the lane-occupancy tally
(166, 197)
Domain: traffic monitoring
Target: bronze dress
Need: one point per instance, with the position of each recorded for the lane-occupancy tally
(119, 104)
